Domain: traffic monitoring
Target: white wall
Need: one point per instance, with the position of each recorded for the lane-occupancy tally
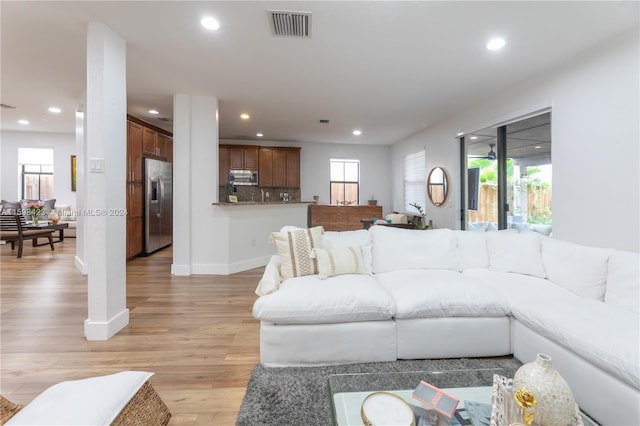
(595, 144)
(375, 175)
(63, 145)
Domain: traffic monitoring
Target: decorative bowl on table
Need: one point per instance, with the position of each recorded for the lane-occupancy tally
(386, 409)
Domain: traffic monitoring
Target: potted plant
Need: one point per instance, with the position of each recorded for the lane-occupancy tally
(419, 221)
(372, 200)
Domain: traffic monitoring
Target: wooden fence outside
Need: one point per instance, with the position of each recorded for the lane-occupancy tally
(538, 204)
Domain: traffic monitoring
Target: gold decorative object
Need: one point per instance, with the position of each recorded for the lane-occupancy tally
(527, 401)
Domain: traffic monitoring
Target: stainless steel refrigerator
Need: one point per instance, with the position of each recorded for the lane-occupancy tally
(158, 205)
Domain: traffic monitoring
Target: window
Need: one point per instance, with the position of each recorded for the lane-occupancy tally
(345, 182)
(35, 170)
(415, 175)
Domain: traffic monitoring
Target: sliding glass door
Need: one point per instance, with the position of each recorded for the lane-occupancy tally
(506, 176)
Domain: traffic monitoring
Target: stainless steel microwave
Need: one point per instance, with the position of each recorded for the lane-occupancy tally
(243, 177)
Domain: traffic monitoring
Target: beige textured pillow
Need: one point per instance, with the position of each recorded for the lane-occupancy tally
(294, 248)
(345, 260)
(397, 218)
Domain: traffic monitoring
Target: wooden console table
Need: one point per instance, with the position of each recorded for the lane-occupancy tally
(341, 218)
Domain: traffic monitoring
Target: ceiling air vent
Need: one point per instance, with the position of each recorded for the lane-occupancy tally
(290, 24)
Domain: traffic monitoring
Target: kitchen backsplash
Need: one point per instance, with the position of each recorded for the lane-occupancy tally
(254, 193)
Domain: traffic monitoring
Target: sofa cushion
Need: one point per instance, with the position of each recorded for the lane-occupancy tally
(623, 280)
(603, 335)
(396, 249)
(294, 248)
(93, 401)
(515, 252)
(578, 268)
(310, 300)
(433, 293)
(472, 247)
(339, 261)
(517, 287)
(361, 237)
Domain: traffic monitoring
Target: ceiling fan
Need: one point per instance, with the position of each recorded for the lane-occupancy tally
(491, 155)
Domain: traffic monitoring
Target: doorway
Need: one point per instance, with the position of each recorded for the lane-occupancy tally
(507, 176)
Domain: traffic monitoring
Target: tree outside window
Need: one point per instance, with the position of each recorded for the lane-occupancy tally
(345, 182)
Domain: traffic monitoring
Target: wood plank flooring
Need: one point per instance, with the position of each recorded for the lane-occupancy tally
(196, 334)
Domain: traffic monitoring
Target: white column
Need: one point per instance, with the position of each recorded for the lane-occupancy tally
(104, 225)
(195, 180)
(81, 188)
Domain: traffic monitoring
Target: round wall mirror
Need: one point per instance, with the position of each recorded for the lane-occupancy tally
(437, 186)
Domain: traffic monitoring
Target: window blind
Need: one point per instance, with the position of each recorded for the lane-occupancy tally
(415, 175)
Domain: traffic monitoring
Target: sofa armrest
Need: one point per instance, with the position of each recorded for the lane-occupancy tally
(270, 281)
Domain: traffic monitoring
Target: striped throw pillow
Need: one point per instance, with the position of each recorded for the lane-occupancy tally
(294, 248)
(345, 260)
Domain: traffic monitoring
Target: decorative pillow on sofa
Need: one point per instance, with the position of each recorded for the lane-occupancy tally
(578, 268)
(347, 260)
(361, 237)
(397, 218)
(294, 248)
(623, 280)
(515, 252)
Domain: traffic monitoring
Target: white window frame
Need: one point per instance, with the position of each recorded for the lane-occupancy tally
(344, 181)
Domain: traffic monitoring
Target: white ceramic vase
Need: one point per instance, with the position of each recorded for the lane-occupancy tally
(556, 406)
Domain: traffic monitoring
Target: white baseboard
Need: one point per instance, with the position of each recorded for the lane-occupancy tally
(220, 268)
(81, 266)
(104, 330)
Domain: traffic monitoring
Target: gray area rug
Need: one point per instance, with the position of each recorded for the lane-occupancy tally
(283, 396)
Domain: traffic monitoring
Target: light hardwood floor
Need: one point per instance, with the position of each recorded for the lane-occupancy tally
(196, 334)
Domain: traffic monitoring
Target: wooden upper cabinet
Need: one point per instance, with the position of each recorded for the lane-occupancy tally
(163, 143)
(265, 167)
(134, 152)
(251, 158)
(149, 142)
(169, 149)
(293, 169)
(279, 168)
(243, 158)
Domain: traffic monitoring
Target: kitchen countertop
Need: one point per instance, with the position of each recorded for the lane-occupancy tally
(258, 203)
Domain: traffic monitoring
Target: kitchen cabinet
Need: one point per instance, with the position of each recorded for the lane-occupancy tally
(243, 158)
(143, 140)
(279, 167)
(341, 218)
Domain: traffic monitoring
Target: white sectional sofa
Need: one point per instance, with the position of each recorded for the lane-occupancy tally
(448, 294)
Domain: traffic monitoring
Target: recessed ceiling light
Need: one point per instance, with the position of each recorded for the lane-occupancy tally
(460, 134)
(473, 138)
(55, 110)
(259, 135)
(153, 111)
(23, 122)
(210, 23)
(496, 43)
(537, 147)
(245, 116)
(357, 132)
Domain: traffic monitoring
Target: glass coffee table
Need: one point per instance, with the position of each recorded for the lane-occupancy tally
(348, 391)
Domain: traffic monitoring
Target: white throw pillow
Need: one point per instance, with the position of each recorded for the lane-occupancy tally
(360, 237)
(347, 260)
(581, 269)
(395, 249)
(93, 401)
(515, 252)
(397, 218)
(294, 248)
(623, 280)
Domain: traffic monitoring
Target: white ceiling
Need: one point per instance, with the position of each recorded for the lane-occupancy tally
(387, 68)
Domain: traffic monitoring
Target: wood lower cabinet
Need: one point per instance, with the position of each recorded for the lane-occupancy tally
(134, 237)
(342, 218)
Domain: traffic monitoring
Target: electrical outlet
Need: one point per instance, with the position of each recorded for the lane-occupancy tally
(281, 195)
(266, 194)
